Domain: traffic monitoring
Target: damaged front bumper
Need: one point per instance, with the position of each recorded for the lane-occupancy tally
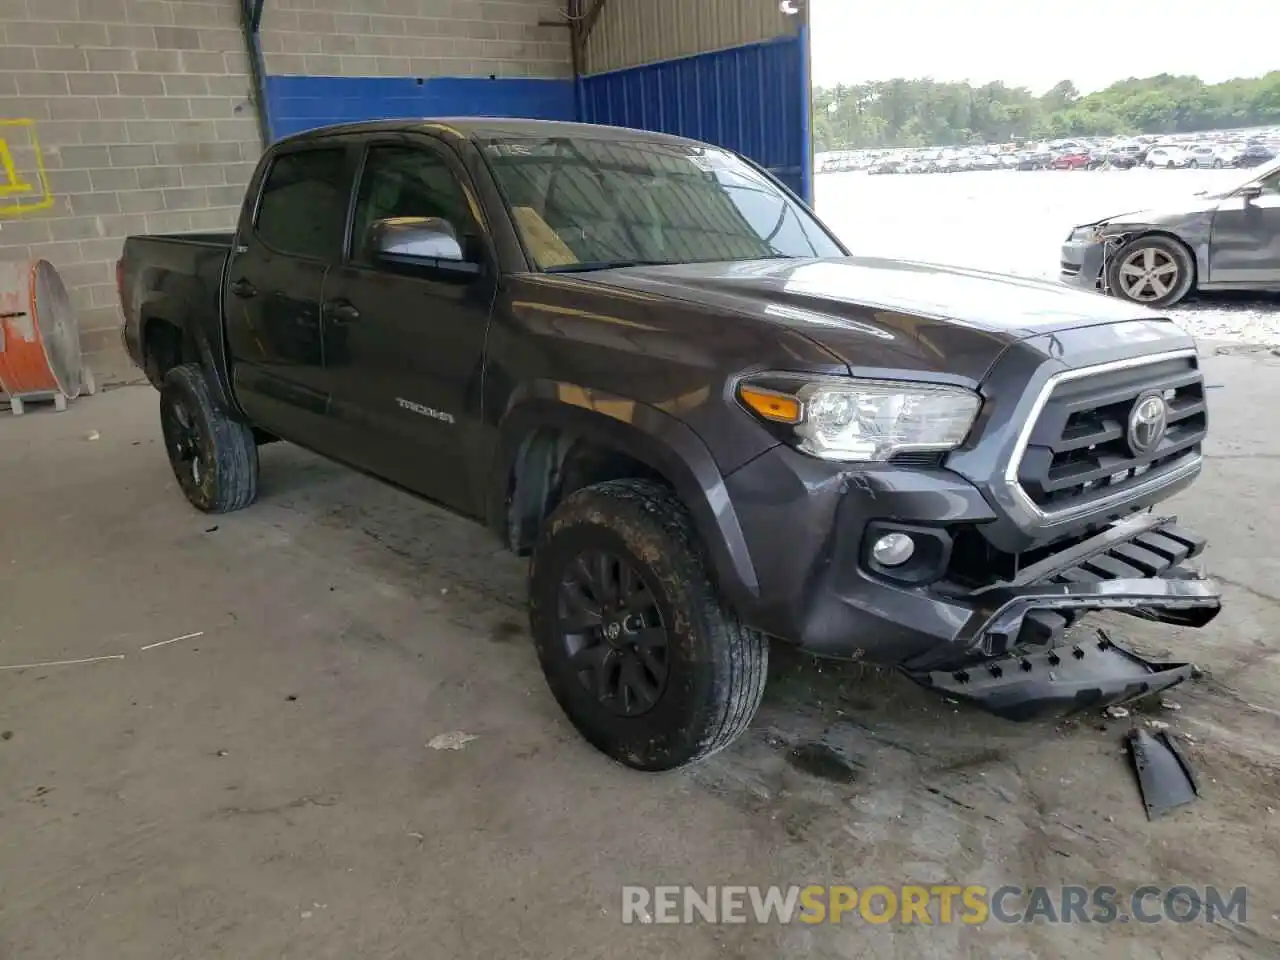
(1017, 664)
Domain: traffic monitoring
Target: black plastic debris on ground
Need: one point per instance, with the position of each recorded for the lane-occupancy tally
(1165, 778)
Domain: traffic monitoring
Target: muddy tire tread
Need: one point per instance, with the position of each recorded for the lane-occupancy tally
(739, 654)
(235, 449)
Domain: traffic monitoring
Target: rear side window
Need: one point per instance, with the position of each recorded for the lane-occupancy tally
(303, 209)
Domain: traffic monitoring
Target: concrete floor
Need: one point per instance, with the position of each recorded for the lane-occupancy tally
(266, 790)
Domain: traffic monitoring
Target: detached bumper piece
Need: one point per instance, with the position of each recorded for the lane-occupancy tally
(1057, 682)
(1164, 776)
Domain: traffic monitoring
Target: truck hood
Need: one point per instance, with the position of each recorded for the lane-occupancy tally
(919, 316)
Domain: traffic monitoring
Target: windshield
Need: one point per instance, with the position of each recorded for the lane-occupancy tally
(588, 204)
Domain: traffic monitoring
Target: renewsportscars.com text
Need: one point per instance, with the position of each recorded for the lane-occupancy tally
(931, 904)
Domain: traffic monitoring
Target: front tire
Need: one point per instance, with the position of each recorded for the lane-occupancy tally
(1155, 271)
(637, 646)
(214, 458)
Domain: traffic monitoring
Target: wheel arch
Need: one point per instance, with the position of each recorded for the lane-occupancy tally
(166, 343)
(549, 447)
(1198, 254)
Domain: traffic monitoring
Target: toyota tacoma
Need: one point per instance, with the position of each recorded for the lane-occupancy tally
(645, 364)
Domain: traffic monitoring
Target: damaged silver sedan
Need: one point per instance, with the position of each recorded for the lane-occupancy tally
(1222, 241)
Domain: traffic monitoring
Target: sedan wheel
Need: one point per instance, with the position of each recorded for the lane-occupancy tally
(1155, 271)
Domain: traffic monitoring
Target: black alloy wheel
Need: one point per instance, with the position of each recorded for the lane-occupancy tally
(611, 627)
(214, 458)
(187, 445)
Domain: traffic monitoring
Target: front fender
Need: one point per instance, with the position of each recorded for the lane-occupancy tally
(643, 432)
(1194, 231)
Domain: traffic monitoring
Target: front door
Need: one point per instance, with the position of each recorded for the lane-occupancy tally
(274, 283)
(404, 341)
(1245, 248)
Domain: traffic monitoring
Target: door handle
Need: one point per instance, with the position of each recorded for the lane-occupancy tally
(342, 311)
(243, 288)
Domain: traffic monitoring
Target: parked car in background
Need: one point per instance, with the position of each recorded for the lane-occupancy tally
(1126, 155)
(1034, 160)
(1074, 160)
(1170, 157)
(1254, 155)
(1211, 155)
(1212, 241)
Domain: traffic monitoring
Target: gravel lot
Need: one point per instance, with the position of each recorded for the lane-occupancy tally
(1015, 223)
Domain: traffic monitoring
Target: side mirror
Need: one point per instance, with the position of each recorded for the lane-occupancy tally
(429, 241)
(1250, 191)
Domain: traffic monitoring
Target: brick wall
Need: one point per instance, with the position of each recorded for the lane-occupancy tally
(142, 115)
(419, 38)
(142, 111)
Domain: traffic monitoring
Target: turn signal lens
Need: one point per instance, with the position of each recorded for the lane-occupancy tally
(778, 407)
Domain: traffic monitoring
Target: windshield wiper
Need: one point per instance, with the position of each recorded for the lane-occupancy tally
(607, 265)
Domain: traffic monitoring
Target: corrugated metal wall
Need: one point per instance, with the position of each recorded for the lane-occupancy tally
(748, 99)
(731, 72)
(631, 33)
(303, 103)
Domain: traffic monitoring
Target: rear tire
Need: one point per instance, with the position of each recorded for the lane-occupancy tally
(616, 572)
(214, 458)
(1155, 271)
(1195, 164)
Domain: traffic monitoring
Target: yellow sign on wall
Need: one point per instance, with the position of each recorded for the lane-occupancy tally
(24, 184)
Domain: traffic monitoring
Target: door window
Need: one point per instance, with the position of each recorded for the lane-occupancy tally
(304, 203)
(408, 182)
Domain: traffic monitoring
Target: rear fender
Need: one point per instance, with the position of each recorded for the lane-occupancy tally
(644, 433)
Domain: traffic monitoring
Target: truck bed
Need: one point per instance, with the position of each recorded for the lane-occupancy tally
(175, 278)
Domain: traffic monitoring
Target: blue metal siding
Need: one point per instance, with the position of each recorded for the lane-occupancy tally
(752, 99)
(303, 103)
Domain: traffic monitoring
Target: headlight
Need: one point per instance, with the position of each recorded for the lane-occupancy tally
(1085, 234)
(867, 420)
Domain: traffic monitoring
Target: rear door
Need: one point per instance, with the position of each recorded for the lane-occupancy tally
(291, 237)
(405, 340)
(1245, 247)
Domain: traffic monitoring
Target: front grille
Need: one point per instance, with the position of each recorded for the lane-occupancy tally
(1079, 450)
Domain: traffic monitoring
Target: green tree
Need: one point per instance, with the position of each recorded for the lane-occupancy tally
(924, 112)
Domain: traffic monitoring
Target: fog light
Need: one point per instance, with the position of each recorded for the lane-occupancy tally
(893, 550)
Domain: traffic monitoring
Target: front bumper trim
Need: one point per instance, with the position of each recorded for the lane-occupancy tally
(1187, 602)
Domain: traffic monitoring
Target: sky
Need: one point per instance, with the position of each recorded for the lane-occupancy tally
(1034, 43)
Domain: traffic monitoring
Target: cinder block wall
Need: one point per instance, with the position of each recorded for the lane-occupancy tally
(416, 38)
(143, 116)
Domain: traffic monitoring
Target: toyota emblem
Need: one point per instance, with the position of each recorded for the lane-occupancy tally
(1147, 424)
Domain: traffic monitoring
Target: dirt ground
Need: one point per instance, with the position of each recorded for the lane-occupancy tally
(265, 789)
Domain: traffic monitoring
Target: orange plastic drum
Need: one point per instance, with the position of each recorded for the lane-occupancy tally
(39, 336)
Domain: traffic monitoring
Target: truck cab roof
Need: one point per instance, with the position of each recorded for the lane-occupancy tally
(482, 128)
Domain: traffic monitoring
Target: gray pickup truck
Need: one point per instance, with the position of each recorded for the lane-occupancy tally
(641, 361)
